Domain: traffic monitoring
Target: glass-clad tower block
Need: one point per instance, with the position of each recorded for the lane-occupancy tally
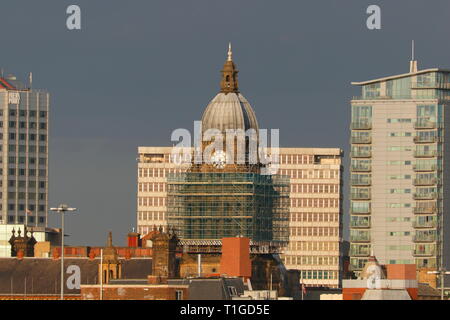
(399, 188)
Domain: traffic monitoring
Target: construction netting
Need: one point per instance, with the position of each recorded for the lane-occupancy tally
(216, 205)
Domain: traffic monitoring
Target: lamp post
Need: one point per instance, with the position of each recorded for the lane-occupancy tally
(441, 272)
(62, 210)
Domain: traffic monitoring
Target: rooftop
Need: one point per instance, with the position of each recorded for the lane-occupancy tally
(403, 75)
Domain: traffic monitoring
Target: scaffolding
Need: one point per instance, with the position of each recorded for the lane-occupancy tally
(215, 205)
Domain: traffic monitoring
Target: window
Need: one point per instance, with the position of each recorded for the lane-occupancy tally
(178, 295)
(232, 291)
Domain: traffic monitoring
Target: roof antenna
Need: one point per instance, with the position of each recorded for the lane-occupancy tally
(412, 63)
(30, 80)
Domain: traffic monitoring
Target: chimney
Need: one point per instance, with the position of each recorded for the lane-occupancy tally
(235, 260)
(133, 239)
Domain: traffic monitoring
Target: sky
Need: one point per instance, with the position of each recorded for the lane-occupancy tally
(139, 69)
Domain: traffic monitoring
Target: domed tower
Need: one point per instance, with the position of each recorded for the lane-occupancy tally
(226, 194)
(229, 128)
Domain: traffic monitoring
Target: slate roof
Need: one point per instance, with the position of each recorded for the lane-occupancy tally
(42, 275)
(212, 288)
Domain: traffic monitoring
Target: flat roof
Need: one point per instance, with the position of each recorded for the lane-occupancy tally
(284, 150)
(403, 75)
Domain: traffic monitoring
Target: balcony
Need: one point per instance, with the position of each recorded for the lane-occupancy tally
(361, 140)
(425, 252)
(360, 223)
(424, 237)
(361, 168)
(430, 263)
(357, 264)
(426, 154)
(425, 224)
(360, 237)
(359, 251)
(425, 124)
(360, 196)
(426, 139)
(425, 182)
(361, 154)
(425, 210)
(361, 125)
(360, 210)
(361, 182)
(423, 167)
(426, 196)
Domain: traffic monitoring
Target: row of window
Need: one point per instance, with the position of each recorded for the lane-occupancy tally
(310, 173)
(22, 184)
(23, 125)
(22, 160)
(296, 159)
(152, 215)
(318, 274)
(312, 260)
(23, 219)
(152, 187)
(314, 203)
(294, 174)
(22, 172)
(314, 188)
(23, 195)
(21, 207)
(22, 148)
(314, 217)
(156, 172)
(152, 201)
(313, 246)
(314, 231)
(23, 136)
(296, 188)
(23, 113)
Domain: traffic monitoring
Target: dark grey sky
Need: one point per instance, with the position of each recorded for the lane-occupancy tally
(138, 69)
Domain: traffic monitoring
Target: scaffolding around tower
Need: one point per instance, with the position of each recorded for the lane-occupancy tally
(215, 205)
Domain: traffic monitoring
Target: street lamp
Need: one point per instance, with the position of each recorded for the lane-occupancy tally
(441, 274)
(62, 209)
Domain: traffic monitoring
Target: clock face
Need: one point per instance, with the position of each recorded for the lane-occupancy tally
(219, 158)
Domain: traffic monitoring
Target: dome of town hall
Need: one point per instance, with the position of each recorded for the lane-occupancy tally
(229, 109)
